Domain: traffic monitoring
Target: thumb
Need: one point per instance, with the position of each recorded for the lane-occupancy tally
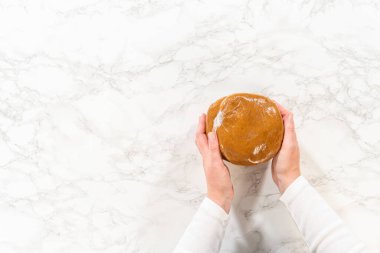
(290, 132)
(289, 123)
(213, 145)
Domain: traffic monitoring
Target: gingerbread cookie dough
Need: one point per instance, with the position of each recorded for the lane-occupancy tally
(249, 128)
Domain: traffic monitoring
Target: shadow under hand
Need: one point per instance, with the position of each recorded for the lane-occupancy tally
(247, 182)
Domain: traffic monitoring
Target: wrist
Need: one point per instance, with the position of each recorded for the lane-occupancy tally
(224, 201)
(284, 181)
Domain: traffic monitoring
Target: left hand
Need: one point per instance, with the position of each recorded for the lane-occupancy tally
(219, 185)
(286, 163)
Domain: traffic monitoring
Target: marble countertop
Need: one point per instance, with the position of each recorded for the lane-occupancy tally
(99, 101)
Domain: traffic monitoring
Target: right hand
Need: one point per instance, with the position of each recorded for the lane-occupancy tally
(286, 164)
(218, 178)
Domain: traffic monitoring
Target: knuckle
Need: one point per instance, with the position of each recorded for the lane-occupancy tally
(215, 163)
(290, 128)
(214, 147)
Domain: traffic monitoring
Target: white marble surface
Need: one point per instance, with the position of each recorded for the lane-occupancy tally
(99, 102)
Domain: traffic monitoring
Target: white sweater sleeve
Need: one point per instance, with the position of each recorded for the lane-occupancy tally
(206, 230)
(323, 230)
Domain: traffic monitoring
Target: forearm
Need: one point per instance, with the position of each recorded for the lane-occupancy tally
(321, 227)
(206, 230)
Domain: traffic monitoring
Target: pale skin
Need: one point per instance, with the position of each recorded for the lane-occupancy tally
(285, 165)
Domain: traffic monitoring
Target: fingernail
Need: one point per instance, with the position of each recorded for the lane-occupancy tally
(211, 135)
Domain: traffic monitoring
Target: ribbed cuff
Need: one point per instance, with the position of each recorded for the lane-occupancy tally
(294, 189)
(214, 210)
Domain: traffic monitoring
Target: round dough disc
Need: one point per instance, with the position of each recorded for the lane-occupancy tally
(249, 128)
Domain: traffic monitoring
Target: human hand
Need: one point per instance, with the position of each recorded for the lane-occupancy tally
(286, 164)
(219, 185)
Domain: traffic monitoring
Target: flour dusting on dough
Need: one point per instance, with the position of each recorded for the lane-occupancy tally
(259, 148)
(249, 99)
(257, 161)
(251, 161)
(257, 100)
(260, 100)
(271, 110)
(218, 121)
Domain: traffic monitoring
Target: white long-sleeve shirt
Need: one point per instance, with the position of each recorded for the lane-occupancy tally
(322, 229)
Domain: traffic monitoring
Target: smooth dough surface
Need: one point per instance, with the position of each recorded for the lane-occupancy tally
(249, 128)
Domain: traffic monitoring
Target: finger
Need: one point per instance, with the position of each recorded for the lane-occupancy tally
(202, 124)
(290, 138)
(282, 109)
(200, 137)
(213, 146)
(289, 123)
(287, 117)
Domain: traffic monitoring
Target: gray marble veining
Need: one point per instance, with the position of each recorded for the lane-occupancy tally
(99, 102)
